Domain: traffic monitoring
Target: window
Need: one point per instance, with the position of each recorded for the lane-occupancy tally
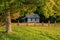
(35, 19)
(31, 19)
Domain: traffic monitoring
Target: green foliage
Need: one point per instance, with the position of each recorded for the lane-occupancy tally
(46, 7)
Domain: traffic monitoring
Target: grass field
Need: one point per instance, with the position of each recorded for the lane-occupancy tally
(31, 33)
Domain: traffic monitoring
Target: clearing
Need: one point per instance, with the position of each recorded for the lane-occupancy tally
(31, 33)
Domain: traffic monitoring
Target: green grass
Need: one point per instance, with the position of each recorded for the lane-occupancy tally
(31, 33)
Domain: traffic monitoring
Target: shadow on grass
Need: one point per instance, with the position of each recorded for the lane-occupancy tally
(6, 36)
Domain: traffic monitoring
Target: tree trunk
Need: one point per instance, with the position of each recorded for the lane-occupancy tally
(8, 22)
(42, 23)
(55, 24)
(48, 23)
(18, 23)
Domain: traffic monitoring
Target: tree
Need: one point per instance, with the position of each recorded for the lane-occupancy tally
(7, 16)
(46, 9)
(9, 7)
(6, 9)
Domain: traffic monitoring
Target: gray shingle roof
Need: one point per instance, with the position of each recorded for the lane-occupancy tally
(31, 16)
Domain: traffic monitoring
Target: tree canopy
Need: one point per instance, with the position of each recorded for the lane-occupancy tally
(21, 7)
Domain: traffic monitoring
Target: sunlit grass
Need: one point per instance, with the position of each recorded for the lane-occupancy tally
(31, 33)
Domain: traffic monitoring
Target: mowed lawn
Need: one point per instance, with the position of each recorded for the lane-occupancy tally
(31, 33)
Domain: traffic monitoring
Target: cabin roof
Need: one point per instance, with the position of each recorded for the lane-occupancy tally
(31, 16)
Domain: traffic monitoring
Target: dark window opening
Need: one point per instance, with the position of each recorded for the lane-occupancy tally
(35, 19)
(31, 19)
